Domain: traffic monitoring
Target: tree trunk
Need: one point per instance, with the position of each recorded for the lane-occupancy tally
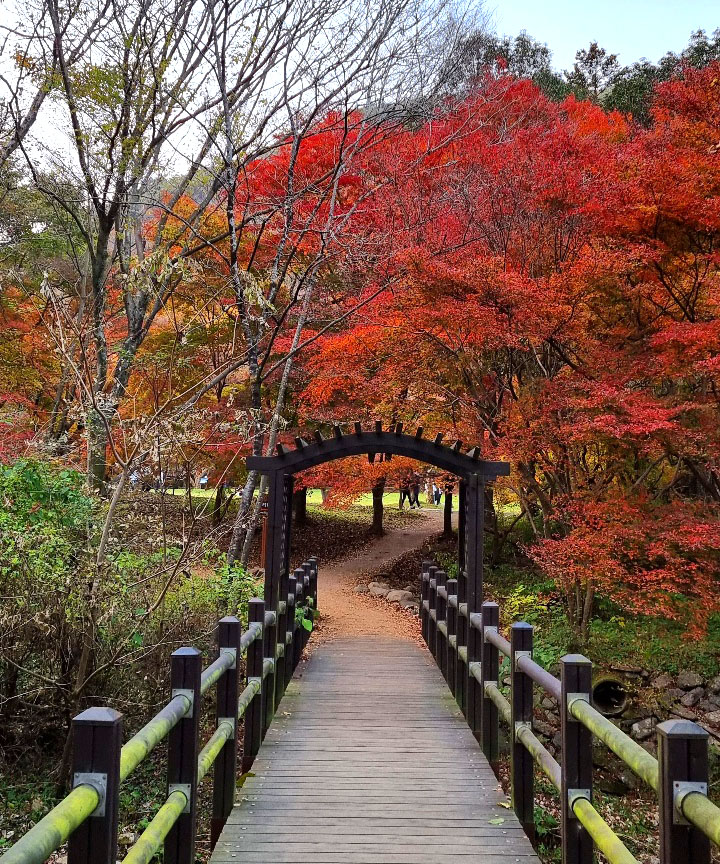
(241, 536)
(97, 450)
(217, 512)
(300, 506)
(447, 515)
(377, 498)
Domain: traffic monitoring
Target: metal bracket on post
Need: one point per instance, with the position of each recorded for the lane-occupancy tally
(522, 724)
(98, 783)
(575, 795)
(232, 651)
(575, 697)
(519, 654)
(185, 789)
(190, 696)
(681, 789)
(231, 720)
(489, 628)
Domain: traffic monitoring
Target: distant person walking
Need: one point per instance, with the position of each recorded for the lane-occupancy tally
(404, 493)
(204, 481)
(437, 494)
(414, 491)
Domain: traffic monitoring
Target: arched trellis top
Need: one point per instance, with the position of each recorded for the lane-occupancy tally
(280, 593)
(393, 441)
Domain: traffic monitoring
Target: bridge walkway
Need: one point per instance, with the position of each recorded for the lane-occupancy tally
(369, 761)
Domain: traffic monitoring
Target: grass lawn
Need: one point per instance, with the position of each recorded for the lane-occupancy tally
(314, 498)
(196, 493)
(390, 499)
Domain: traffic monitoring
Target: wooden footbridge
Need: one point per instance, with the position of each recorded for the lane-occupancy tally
(369, 760)
(372, 751)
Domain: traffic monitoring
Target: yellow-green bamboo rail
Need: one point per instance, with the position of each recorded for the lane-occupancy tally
(622, 745)
(605, 838)
(56, 826)
(152, 837)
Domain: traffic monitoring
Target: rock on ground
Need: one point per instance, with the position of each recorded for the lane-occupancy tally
(643, 728)
(398, 596)
(692, 697)
(689, 680)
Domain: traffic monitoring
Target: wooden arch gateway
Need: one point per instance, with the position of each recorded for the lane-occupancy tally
(473, 472)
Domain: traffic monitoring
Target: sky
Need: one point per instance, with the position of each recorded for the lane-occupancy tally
(630, 28)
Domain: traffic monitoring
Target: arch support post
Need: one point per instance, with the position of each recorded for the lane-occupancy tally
(277, 552)
(463, 621)
(474, 525)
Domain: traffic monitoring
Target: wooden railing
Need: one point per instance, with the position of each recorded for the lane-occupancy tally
(688, 820)
(87, 818)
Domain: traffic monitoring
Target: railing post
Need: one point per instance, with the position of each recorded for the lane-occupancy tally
(463, 679)
(424, 587)
(472, 584)
(575, 760)
(440, 615)
(432, 602)
(185, 672)
(254, 669)
(269, 648)
(298, 637)
(314, 583)
(307, 595)
(281, 653)
(291, 625)
(489, 664)
(683, 768)
(451, 662)
(521, 703)
(97, 739)
(226, 709)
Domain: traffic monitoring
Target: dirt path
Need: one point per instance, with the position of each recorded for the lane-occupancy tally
(344, 613)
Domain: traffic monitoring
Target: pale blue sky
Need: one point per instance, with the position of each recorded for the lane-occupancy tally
(630, 28)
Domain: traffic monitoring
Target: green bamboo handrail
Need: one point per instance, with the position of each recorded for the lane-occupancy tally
(152, 837)
(149, 842)
(622, 745)
(696, 807)
(605, 838)
(700, 810)
(56, 826)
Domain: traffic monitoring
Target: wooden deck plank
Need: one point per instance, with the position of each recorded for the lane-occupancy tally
(369, 760)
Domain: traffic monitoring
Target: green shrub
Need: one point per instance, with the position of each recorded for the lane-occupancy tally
(74, 633)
